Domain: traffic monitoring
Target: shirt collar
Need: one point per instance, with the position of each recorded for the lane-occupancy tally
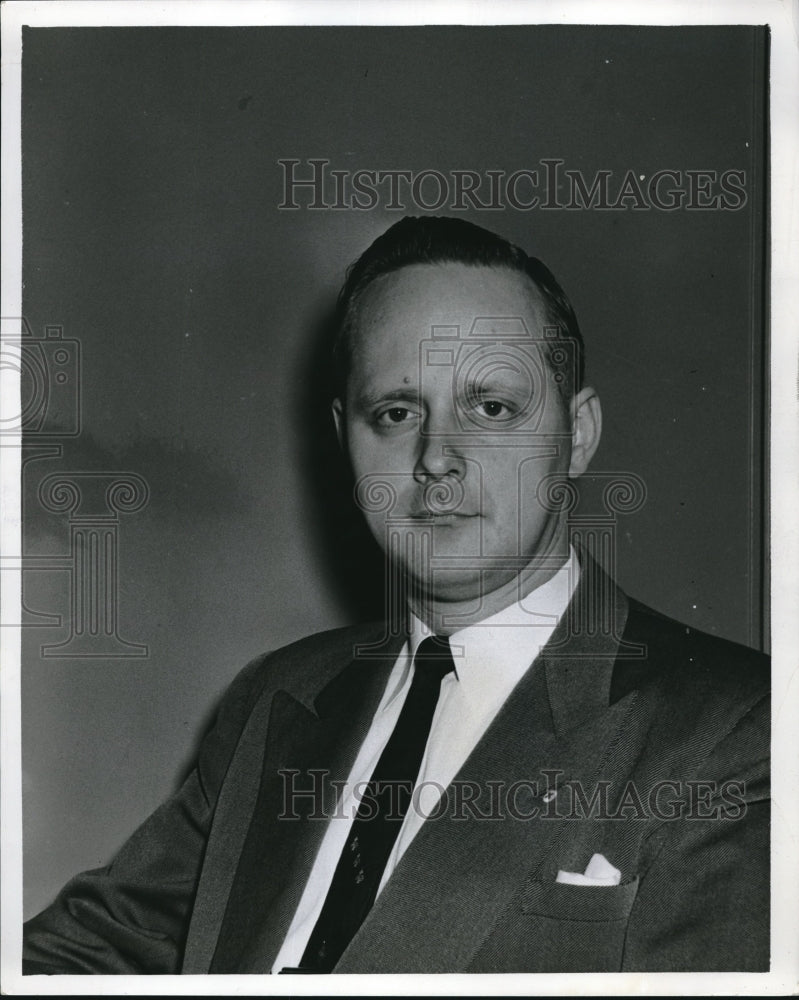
(491, 655)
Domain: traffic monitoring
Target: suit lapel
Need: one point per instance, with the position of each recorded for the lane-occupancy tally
(307, 749)
(462, 871)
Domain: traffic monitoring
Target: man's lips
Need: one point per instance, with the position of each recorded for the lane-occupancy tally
(441, 515)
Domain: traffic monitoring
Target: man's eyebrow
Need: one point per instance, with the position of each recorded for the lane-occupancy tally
(369, 398)
(479, 388)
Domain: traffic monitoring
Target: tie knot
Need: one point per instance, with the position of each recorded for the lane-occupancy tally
(434, 657)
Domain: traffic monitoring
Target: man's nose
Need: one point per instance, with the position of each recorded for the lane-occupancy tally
(440, 452)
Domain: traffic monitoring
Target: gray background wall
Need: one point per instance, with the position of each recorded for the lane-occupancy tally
(152, 235)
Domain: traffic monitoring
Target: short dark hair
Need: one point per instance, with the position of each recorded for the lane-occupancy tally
(433, 239)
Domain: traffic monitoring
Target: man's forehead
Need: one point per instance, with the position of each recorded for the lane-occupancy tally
(450, 300)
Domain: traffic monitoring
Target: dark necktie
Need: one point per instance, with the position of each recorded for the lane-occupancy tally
(379, 818)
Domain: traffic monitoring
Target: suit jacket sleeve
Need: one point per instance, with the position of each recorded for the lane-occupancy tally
(703, 898)
(132, 916)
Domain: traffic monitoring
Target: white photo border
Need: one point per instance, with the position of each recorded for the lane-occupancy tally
(784, 475)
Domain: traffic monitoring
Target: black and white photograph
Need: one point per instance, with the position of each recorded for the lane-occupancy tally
(392, 580)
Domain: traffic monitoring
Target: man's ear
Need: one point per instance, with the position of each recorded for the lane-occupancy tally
(586, 418)
(338, 420)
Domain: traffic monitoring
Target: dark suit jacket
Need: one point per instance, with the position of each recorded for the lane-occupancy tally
(654, 737)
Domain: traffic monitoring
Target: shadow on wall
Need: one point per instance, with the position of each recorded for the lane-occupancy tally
(350, 559)
(182, 481)
(190, 488)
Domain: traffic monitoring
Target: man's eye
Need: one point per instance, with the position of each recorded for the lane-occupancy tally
(493, 408)
(395, 415)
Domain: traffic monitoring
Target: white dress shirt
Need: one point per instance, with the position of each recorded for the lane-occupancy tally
(490, 659)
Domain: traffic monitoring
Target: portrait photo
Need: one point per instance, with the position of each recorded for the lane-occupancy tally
(393, 456)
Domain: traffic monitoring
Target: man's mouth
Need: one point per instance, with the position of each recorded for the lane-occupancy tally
(442, 516)
(443, 502)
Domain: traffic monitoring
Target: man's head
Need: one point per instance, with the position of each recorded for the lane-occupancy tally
(460, 406)
(442, 240)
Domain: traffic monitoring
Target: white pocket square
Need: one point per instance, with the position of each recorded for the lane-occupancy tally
(598, 872)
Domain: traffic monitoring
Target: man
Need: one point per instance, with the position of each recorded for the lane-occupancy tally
(520, 769)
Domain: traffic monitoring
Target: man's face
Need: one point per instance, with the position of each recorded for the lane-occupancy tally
(452, 419)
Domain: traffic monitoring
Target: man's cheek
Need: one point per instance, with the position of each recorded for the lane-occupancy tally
(377, 526)
(387, 473)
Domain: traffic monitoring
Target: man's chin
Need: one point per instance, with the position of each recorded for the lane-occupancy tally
(457, 586)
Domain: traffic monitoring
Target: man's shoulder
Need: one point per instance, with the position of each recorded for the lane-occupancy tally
(666, 633)
(688, 665)
(303, 667)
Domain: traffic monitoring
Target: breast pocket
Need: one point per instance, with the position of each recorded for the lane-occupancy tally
(578, 928)
(563, 901)
(555, 927)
